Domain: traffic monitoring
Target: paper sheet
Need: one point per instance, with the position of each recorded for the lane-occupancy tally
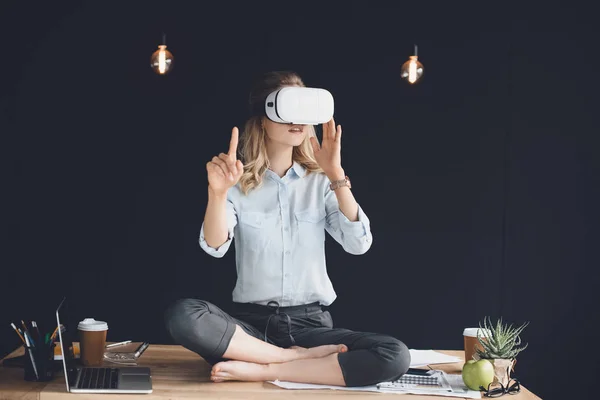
(455, 381)
(294, 385)
(459, 388)
(421, 358)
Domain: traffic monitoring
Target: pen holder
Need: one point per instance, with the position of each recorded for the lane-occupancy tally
(41, 368)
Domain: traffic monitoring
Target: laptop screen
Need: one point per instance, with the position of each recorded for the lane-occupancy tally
(66, 343)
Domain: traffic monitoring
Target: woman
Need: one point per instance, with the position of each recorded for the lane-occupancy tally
(278, 205)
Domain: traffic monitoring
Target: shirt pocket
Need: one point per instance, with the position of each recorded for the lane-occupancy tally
(311, 227)
(257, 229)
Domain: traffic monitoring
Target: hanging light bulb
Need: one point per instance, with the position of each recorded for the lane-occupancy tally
(162, 59)
(412, 70)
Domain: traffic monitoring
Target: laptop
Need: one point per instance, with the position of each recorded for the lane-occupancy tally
(97, 379)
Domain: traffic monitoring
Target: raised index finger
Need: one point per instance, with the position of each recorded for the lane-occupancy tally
(233, 143)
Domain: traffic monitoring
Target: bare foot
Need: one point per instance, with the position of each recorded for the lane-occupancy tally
(239, 371)
(319, 351)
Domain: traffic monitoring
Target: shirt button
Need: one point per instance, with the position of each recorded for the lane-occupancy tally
(287, 275)
(286, 229)
(287, 252)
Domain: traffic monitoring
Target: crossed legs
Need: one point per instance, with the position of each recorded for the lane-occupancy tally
(323, 356)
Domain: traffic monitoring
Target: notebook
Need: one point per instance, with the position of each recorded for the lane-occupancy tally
(432, 381)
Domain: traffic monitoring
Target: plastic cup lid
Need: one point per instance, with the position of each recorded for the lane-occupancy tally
(90, 324)
(473, 332)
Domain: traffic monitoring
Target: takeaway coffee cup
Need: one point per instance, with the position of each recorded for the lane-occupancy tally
(471, 342)
(92, 339)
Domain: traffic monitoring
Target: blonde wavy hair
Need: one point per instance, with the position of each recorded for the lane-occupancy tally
(253, 137)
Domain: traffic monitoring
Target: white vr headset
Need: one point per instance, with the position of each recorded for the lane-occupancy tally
(299, 105)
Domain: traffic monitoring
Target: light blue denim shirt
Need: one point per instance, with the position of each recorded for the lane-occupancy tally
(280, 238)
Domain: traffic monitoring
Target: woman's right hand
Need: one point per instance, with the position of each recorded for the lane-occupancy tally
(225, 170)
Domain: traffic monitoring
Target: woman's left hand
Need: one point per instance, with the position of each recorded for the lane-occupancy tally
(328, 154)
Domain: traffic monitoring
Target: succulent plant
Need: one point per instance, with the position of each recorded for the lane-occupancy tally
(500, 341)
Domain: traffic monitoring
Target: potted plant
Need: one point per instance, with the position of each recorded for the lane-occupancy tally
(500, 345)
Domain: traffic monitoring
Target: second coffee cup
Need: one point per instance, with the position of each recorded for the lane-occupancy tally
(471, 341)
(92, 338)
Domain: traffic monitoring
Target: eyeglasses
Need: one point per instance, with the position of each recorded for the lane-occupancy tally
(498, 389)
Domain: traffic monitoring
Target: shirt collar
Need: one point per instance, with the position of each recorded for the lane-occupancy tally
(299, 169)
(296, 168)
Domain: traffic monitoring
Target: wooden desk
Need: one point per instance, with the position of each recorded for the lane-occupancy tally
(178, 373)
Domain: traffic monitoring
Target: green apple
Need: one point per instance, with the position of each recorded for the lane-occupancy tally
(478, 373)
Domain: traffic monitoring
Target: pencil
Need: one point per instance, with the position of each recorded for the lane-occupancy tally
(108, 346)
(18, 333)
(54, 334)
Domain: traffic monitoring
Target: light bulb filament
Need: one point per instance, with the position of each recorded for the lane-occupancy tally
(162, 59)
(412, 69)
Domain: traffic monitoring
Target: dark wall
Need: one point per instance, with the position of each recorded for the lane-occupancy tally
(481, 182)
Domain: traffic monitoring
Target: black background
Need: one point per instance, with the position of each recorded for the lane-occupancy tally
(481, 182)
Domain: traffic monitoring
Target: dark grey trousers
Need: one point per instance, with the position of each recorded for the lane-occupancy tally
(207, 330)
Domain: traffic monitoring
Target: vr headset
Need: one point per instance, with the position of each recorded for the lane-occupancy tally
(297, 105)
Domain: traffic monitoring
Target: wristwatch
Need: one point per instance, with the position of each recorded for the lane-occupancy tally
(342, 182)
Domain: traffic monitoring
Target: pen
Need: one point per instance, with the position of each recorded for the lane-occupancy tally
(27, 333)
(29, 338)
(141, 350)
(37, 330)
(18, 333)
(108, 346)
(32, 359)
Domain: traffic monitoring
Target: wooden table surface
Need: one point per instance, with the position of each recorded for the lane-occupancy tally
(178, 373)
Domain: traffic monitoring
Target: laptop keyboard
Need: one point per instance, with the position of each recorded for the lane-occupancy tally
(98, 378)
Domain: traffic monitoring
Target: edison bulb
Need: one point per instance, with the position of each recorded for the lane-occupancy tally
(161, 60)
(412, 70)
